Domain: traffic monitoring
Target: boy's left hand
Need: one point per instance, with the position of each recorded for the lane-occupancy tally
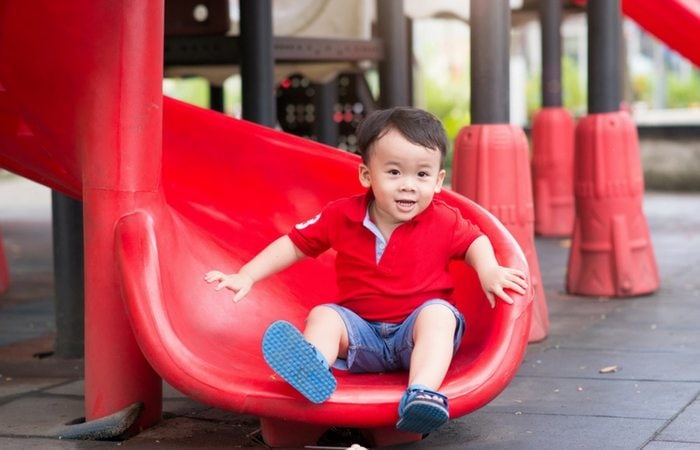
(496, 279)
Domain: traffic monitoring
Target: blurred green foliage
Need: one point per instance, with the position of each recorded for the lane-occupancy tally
(641, 88)
(194, 90)
(683, 91)
(449, 103)
(573, 90)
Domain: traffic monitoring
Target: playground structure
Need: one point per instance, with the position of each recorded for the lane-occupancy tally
(155, 221)
(216, 193)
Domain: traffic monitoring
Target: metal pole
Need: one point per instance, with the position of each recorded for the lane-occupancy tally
(604, 65)
(324, 101)
(490, 57)
(257, 62)
(409, 60)
(550, 21)
(216, 97)
(69, 287)
(394, 67)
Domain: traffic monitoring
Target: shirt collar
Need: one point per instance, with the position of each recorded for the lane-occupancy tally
(359, 207)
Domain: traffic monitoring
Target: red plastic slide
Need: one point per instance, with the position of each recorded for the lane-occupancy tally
(171, 191)
(246, 186)
(675, 22)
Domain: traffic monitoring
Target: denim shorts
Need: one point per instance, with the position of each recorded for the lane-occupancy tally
(383, 347)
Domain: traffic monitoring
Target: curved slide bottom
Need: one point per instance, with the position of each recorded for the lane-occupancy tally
(242, 187)
(292, 434)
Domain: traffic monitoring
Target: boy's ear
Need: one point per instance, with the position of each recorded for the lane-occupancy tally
(365, 180)
(440, 180)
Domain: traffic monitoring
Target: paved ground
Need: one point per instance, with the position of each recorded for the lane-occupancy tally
(558, 400)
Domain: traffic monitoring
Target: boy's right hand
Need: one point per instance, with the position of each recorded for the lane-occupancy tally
(239, 283)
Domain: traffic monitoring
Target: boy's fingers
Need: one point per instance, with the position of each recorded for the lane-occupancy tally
(213, 276)
(520, 289)
(519, 275)
(491, 299)
(239, 295)
(519, 282)
(506, 298)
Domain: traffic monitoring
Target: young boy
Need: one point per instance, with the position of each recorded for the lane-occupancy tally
(393, 247)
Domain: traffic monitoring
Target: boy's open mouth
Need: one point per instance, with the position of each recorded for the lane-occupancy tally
(405, 204)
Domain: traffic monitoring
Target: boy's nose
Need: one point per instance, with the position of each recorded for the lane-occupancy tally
(408, 185)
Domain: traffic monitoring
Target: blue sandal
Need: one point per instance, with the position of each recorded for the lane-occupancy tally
(297, 361)
(422, 410)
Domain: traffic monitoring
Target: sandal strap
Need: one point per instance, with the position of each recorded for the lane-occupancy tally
(319, 355)
(418, 390)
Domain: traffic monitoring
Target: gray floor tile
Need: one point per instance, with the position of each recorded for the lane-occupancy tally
(187, 433)
(26, 321)
(630, 365)
(75, 388)
(685, 427)
(590, 397)
(38, 415)
(539, 432)
(10, 387)
(52, 444)
(664, 445)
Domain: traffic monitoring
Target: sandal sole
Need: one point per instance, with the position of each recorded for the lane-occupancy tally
(422, 417)
(287, 352)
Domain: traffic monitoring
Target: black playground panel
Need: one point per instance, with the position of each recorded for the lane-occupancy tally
(298, 111)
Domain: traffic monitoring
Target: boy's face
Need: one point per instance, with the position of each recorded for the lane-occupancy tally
(403, 176)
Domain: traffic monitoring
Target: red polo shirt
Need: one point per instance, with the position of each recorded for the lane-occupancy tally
(412, 269)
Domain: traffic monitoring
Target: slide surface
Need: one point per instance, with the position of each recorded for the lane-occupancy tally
(171, 191)
(246, 186)
(675, 22)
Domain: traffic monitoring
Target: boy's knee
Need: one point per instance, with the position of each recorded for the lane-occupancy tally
(322, 313)
(435, 317)
(438, 313)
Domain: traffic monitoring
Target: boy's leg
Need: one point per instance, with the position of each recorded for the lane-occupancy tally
(436, 332)
(304, 361)
(326, 331)
(433, 337)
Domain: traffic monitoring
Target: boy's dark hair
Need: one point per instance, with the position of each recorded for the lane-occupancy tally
(416, 125)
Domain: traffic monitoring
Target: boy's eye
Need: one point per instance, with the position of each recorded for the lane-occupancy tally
(393, 172)
(423, 174)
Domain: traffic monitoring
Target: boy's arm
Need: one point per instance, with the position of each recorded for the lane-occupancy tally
(494, 278)
(277, 256)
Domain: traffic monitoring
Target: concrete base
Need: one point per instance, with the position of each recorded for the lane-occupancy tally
(670, 157)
